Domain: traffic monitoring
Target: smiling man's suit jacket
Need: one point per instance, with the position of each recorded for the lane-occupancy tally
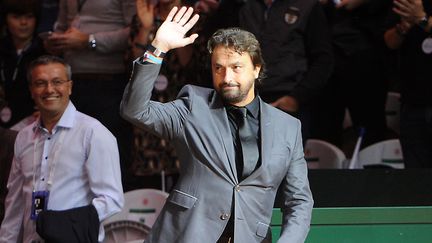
(200, 204)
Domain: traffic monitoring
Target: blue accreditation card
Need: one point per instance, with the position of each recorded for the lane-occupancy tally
(39, 203)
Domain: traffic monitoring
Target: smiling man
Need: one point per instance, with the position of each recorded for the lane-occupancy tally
(65, 176)
(235, 150)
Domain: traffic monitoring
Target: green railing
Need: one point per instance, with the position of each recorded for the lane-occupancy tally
(366, 225)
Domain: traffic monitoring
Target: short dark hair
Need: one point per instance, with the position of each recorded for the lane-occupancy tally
(19, 7)
(241, 41)
(45, 60)
(22, 7)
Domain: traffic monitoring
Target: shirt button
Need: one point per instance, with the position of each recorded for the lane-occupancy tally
(237, 188)
(224, 216)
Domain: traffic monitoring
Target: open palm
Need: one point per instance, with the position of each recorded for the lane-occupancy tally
(171, 34)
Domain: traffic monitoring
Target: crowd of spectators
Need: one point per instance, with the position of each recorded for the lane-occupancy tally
(322, 59)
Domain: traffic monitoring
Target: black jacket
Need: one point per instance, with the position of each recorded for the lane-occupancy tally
(296, 46)
(16, 88)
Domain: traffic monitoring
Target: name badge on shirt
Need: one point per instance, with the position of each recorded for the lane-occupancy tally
(39, 203)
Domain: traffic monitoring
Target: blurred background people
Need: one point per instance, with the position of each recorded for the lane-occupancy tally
(358, 83)
(151, 154)
(296, 45)
(92, 36)
(48, 15)
(409, 32)
(18, 48)
(7, 140)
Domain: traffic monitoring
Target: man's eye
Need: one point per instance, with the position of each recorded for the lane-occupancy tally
(40, 83)
(57, 82)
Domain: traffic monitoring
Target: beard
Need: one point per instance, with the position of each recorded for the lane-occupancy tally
(233, 93)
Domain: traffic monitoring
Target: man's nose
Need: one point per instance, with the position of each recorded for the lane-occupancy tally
(229, 75)
(49, 87)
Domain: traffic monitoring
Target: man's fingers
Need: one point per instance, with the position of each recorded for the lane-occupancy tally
(400, 13)
(171, 14)
(180, 14)
(192, 38)
(191, 22)
(186, 16)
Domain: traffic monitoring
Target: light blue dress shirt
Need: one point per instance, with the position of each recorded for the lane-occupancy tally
(83, 168)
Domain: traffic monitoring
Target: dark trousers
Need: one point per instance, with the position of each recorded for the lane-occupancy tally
(416, 135)
(99, 96)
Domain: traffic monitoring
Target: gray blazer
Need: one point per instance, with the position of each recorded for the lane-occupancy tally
(200, 204)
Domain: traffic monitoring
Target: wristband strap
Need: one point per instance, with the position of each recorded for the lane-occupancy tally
(149, 57)
(156, 52)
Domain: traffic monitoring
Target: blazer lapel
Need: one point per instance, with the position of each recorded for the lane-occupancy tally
(228, 157)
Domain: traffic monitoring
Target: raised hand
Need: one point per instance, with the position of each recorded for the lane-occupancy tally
(171, 34)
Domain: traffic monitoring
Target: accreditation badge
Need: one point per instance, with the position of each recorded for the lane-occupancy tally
(39, 203)
(427, 45)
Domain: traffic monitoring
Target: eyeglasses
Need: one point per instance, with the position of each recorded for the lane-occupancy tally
(39, 84)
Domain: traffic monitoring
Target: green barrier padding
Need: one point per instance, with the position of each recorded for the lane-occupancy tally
(365, 224)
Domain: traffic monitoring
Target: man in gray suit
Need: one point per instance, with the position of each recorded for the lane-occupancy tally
(227, 184)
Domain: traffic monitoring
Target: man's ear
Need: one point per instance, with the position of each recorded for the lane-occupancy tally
(71, 85)
(257, 71)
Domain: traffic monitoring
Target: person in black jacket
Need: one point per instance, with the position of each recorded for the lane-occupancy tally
(296, 45)
(7, 140)
(409, 32)
(17, 49)
(358, 82)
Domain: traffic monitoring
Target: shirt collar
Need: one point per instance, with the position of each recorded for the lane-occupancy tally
(66, 120)
(252, 107)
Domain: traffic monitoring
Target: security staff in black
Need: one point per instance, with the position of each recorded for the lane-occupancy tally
(297, 50)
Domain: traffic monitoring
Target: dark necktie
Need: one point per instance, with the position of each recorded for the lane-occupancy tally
(248, 141)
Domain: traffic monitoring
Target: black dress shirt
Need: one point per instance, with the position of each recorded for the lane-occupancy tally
(253, 120)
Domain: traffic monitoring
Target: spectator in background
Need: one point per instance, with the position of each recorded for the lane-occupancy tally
(93, 37)
(410, 33)
(49, 12)
(296, 46)
(66, 163)
(7, 140)
(17, 49)
(358, 82)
